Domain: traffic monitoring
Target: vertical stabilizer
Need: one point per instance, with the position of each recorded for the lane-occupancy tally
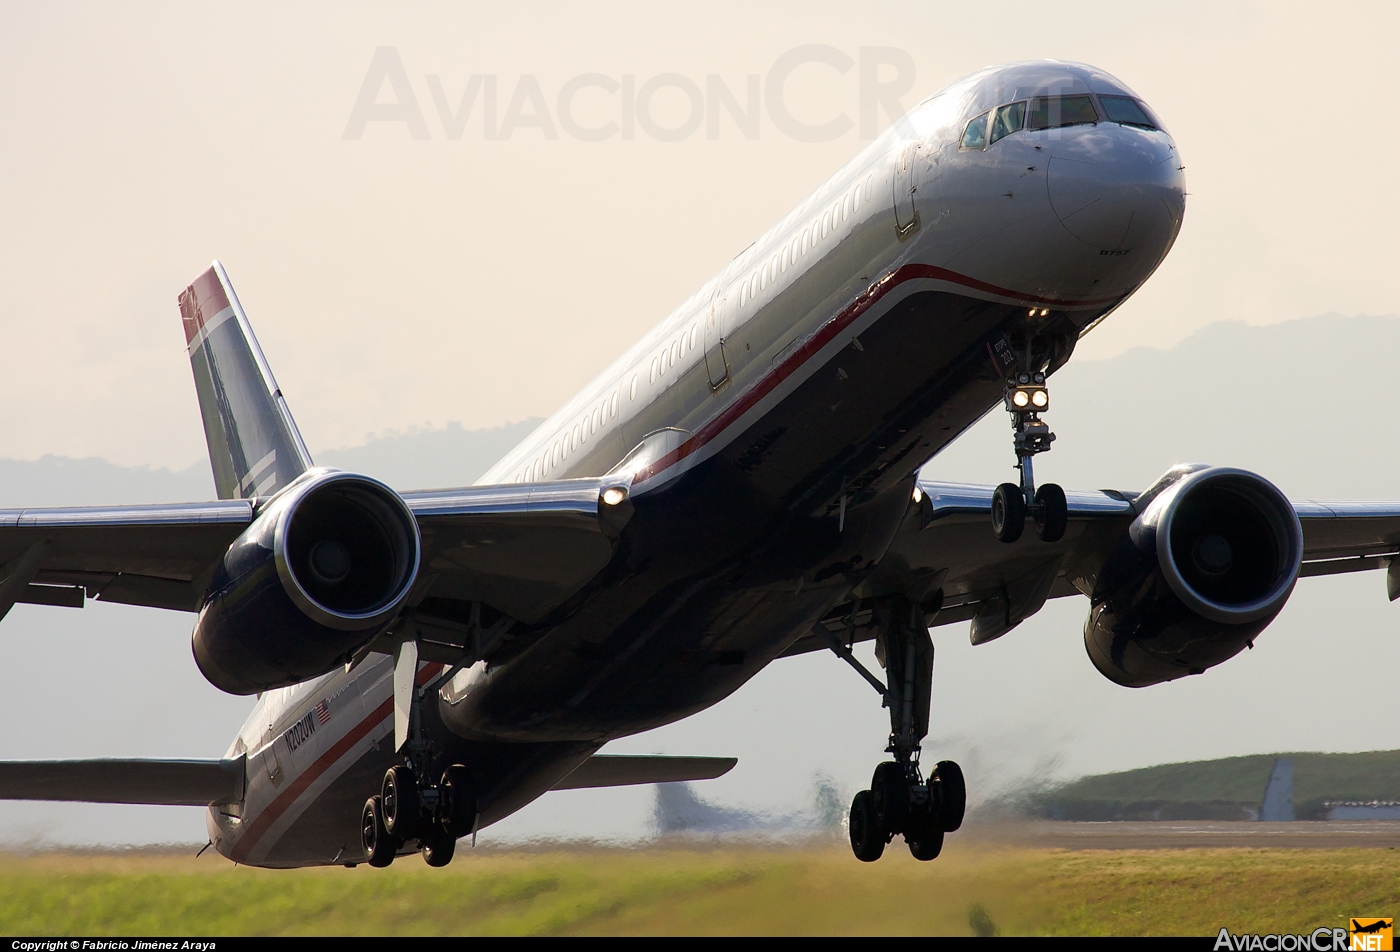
(254, 446)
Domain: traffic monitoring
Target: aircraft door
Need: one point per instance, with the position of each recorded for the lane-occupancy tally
(268, 754)
(906, 216)
(716, 360)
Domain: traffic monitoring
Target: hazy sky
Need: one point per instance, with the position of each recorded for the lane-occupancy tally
(398, 281)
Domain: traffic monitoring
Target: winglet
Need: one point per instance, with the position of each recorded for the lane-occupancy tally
(254, 446)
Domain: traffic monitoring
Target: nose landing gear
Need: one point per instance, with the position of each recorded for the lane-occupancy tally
(900, 800)
(1026, 397)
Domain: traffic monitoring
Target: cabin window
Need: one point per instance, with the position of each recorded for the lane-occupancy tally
(676, 352)
(826, 224)
(975, 135)
(694, 333)
(655, 369)
(1008, 119)
(633, 395)
(859, 189)
(614, 399)
(1127, 111)
(1052, 112)
(806, 239)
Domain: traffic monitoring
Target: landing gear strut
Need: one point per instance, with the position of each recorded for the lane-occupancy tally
(434, 812)
(900, 800)
(1026, 397)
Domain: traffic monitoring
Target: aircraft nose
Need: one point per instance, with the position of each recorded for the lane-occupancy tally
(1119, 188)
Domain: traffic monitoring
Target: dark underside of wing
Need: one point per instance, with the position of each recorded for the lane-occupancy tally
(521, 550)
(946, 544)
(621, 770)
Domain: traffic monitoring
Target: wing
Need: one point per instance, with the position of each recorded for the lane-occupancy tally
(617, 770)
(176, 782)
(520, 549)
(946, 543)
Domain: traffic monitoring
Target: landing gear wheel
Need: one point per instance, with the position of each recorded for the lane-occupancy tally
(1008, 512)
(867, 839)
(926, 844)
(400, 803)
(438, 847)
(378, 842)
(457, 801)
(1051, 514)
(949, 792)
(889, 793)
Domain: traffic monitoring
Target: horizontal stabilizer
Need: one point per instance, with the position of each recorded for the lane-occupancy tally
(618, 770)
(174, 782)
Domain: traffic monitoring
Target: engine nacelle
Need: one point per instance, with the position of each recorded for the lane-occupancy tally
(322, 570)
(1202, 570)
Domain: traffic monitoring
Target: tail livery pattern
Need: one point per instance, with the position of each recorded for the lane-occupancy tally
(254, 446)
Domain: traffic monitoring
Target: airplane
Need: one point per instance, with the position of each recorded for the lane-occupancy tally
(741, 486)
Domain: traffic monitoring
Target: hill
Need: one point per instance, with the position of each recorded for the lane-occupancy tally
(1227, 789)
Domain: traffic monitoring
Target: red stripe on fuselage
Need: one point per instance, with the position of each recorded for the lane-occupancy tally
(269, 815)
(864, 302)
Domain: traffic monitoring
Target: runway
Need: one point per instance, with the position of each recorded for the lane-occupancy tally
(1050, 834)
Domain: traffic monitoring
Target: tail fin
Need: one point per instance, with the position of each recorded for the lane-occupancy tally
(254, 446)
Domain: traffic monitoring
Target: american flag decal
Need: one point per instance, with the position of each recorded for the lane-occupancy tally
(323, 713)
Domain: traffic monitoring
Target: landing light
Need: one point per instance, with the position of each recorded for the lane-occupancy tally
(614, 495)
(1021, 398)
(1040, 398)
(918, 495)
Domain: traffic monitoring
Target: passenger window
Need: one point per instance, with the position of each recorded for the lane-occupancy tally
(614, 399)
(676, 352)
(1008, 119)
(1052, 112)
(846, 208)
(1127, 111)
(975, 136)
(858, 191)
(633, 394)
(826, 224)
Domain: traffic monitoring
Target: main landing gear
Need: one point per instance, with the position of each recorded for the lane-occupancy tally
(900, 800)
(1026, 398)
(410, 807)
(435, 815)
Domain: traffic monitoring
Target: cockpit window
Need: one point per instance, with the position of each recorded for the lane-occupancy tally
(1006, 120)
(1127, 111)
(1051, 112)
(975, 137)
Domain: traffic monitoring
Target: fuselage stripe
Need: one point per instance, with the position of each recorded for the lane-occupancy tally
(864, 302)
(297, 787)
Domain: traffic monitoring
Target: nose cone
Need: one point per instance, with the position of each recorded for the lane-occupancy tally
(1119, 188)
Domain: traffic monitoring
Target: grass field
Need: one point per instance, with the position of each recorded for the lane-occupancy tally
(730, 890)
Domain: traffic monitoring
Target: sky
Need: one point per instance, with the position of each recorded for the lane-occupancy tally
(399, 281)
(400, 284)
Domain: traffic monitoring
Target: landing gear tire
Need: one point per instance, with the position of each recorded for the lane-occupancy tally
(401, 804)
(889, 794)
(949, 792)
(457, 801)
(867, 839)
(1051, 513)
(926, 844)
(1008, 512)
(379, 844)
(438, 848)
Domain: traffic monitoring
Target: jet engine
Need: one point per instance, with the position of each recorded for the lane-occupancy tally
(1207, 564)
(323, 569)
